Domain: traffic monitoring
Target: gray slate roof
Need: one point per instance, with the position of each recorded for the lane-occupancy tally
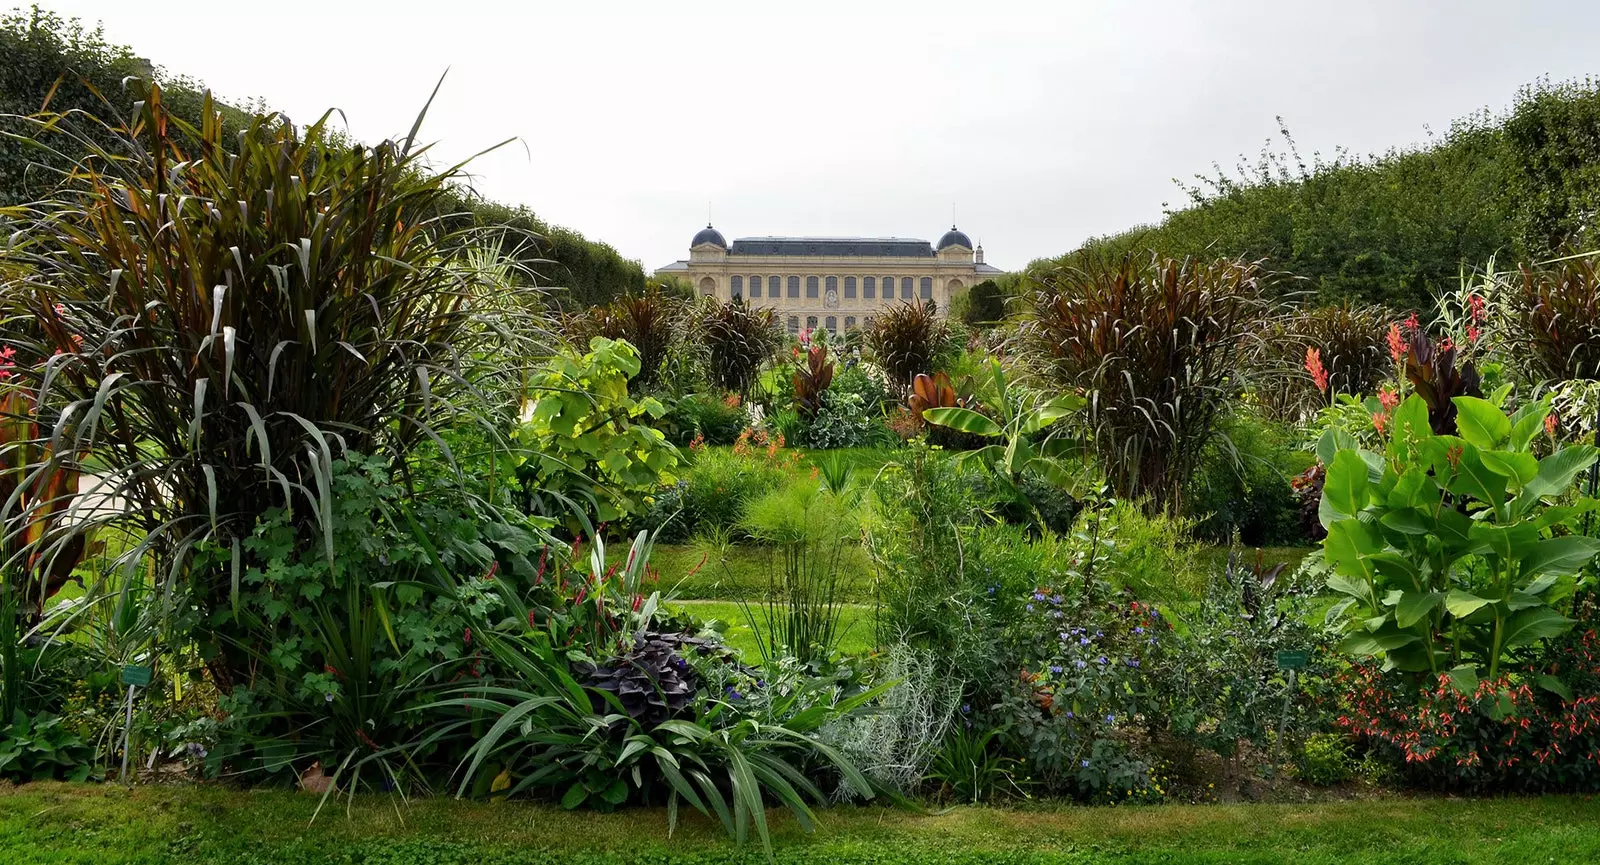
(888, 247)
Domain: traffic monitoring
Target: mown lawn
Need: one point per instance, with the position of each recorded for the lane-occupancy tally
(109, 825)
(855, 625)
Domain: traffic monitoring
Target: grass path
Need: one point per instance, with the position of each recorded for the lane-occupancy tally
(109, 825)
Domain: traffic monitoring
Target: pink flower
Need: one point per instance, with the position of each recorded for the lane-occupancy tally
(1381, 421)
(1388, 398)
(1550, 422)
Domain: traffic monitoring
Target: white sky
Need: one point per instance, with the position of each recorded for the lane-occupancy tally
(1045, 123)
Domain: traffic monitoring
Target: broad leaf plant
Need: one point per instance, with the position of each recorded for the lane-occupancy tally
(1453, 550)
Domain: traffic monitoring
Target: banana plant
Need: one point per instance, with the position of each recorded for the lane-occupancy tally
(1023, 427)
(1452, 550)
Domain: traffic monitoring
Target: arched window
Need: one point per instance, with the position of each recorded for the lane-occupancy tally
(888, 289)
(850, 288)
(811, 286)
(774, 286)
(927, 288)
(833, 283)
(794, 286)
(811, 322)
(849, 322)
(794, 323)
(905, 288)
(867, 322)
(755, 286)
(869, 288)
(832, 324)
(708, 286)
(736, 287)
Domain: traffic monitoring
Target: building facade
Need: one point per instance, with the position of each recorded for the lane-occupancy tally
(836, 283)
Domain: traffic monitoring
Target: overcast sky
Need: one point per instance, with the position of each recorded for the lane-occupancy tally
(1044, 123)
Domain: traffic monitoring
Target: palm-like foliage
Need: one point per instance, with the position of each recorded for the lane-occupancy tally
(651, 321)
(738, 339)
(813, 373)
(1156, 346)
(211, 318)
(906, 340)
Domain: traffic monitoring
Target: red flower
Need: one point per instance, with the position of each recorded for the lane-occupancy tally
(1550, 423)
(466, 636)
(1381, 421)
(1388, 398)
(1314, 366)
(1397, 342)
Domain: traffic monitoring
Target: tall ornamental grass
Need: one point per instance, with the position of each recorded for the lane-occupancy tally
(206, 322)
(1157, 347)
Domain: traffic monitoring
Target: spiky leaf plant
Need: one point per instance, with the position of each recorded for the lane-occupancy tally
(738, 340)
(906, 340)
(1350, 340)
(209, 319)
(1434, 375)
(1157, 346)
(1555, 321)
(652, 321)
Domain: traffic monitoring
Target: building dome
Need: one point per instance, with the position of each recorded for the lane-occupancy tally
(712, 236)
(952, 238)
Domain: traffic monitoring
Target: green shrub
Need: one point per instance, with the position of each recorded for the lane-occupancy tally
(584, 437)
(722, 483)
(1241, 486)
(704, 416)
(652, 321)
(1153, 554)
(1326, 760)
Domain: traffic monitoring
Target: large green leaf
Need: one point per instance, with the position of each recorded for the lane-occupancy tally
(1332, 441)
(1414, 606)
(1481, 422)
(1558, 470)
(1347, 483)
(962, 420)
(1348, 547)
(1462, 604)
(1520, 468)
(1529, 626)
(1559, 556)
(1475, 479)
(1527, 423)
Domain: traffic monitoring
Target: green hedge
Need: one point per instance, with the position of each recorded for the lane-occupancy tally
(1396, 227)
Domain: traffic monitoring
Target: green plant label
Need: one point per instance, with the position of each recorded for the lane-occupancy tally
(136, 675)
(1296, 660)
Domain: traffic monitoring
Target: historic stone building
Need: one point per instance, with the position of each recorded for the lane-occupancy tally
(837, 283)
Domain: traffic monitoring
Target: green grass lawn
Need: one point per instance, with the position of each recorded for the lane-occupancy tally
(744, 572)
(855, 625)
(66, 824)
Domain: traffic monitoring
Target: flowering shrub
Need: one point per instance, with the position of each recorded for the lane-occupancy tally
(1083, 686)
(1522, 731)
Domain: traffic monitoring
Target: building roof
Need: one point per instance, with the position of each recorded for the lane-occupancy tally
(679, 266)
(988, 269)
(708, 235)
(955, 237)
(888, 247)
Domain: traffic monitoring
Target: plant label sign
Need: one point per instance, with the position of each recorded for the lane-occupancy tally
(1295, 660)
(133, 674)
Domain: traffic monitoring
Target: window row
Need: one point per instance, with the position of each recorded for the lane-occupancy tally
(831, 323)
(775, 287)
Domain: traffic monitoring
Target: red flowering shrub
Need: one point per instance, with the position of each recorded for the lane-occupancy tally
(1512, 733)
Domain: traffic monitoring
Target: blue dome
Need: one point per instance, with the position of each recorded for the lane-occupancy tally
(709, 235)
(955, 238)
